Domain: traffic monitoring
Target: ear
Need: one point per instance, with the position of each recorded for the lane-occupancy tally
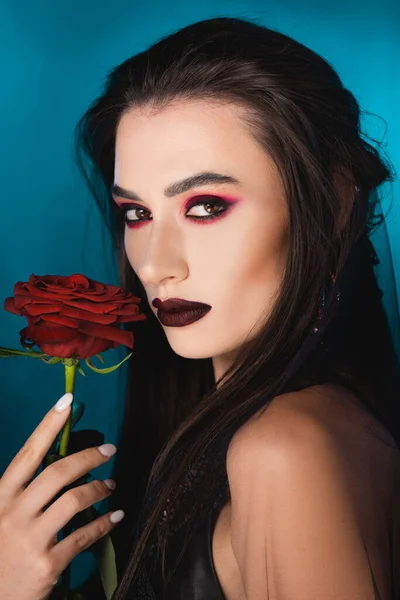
(345, 185)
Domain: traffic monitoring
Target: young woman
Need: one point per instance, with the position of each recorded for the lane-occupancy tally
(260, 450)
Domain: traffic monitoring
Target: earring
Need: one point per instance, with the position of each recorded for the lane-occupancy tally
(322, 314)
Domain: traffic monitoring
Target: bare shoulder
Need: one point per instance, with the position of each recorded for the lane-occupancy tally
(289, 420)
(328, 410)
(312, 471)
(327, 419)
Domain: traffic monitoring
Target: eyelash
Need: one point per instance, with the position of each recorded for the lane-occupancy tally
(206, 200)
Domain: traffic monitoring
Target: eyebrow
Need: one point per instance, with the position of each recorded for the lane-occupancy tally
(179, 187)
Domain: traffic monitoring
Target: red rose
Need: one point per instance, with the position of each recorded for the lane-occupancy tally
(73, 315)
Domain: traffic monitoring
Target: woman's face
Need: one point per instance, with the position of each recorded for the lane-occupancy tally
(233, 262)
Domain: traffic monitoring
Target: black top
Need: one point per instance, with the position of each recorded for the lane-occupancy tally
(196, 578)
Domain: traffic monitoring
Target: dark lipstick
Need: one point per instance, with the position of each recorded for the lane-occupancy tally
(176, 312)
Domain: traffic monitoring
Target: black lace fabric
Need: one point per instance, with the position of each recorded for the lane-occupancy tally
(143, 588)
(181, 518)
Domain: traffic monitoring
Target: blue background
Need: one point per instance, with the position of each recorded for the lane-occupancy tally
(54, 57)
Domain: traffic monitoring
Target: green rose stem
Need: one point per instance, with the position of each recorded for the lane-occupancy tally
(70, 373)
(70, 365)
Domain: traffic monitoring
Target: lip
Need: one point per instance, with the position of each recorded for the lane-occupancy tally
(175, 304)
(176, 312)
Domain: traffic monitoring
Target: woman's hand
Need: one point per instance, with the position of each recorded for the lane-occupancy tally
(31, 558)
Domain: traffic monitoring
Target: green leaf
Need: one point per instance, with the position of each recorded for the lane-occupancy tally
(103, 550)
(101, 359)
(109, 369)
(81, 371)
(52, 361)
(10, 353)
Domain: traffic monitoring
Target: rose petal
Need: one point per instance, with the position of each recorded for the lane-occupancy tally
(42, 334)
(83, 347)
(128, 309)
(140, 317)
(41, 309)
(108, 333)
(78, 280)
(76, 313)
(99, 308)
(61, 320)
(9, 304)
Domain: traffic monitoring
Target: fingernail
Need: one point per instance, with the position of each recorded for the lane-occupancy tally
(64, 402)
(107, 449)
(116, 516)
(110, 483)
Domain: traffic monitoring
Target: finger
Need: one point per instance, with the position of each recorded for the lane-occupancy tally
(56, 477)
(25, 464)
(65, 508)
(79, 540)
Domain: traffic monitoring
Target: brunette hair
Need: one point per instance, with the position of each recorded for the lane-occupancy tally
(297, 108)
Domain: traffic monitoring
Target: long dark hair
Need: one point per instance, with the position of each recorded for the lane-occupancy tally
(178, 420)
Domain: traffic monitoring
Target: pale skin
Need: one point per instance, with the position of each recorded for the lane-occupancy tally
(236, 263)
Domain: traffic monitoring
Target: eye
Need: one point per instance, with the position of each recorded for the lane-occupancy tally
(213, 207)
(135, 210)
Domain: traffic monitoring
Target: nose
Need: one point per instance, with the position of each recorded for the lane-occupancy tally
(163, 257)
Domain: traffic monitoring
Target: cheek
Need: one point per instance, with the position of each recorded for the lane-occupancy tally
(258, 268)
(260, 250)
(270, 260)
(132, 250)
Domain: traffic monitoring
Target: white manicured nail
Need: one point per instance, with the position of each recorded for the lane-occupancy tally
(110, 483)
(64, 402)
(107, 449)
(116, 516)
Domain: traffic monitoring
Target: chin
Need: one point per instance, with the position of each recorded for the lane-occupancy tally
(197, 346)
(190, 347)
(190, 352)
